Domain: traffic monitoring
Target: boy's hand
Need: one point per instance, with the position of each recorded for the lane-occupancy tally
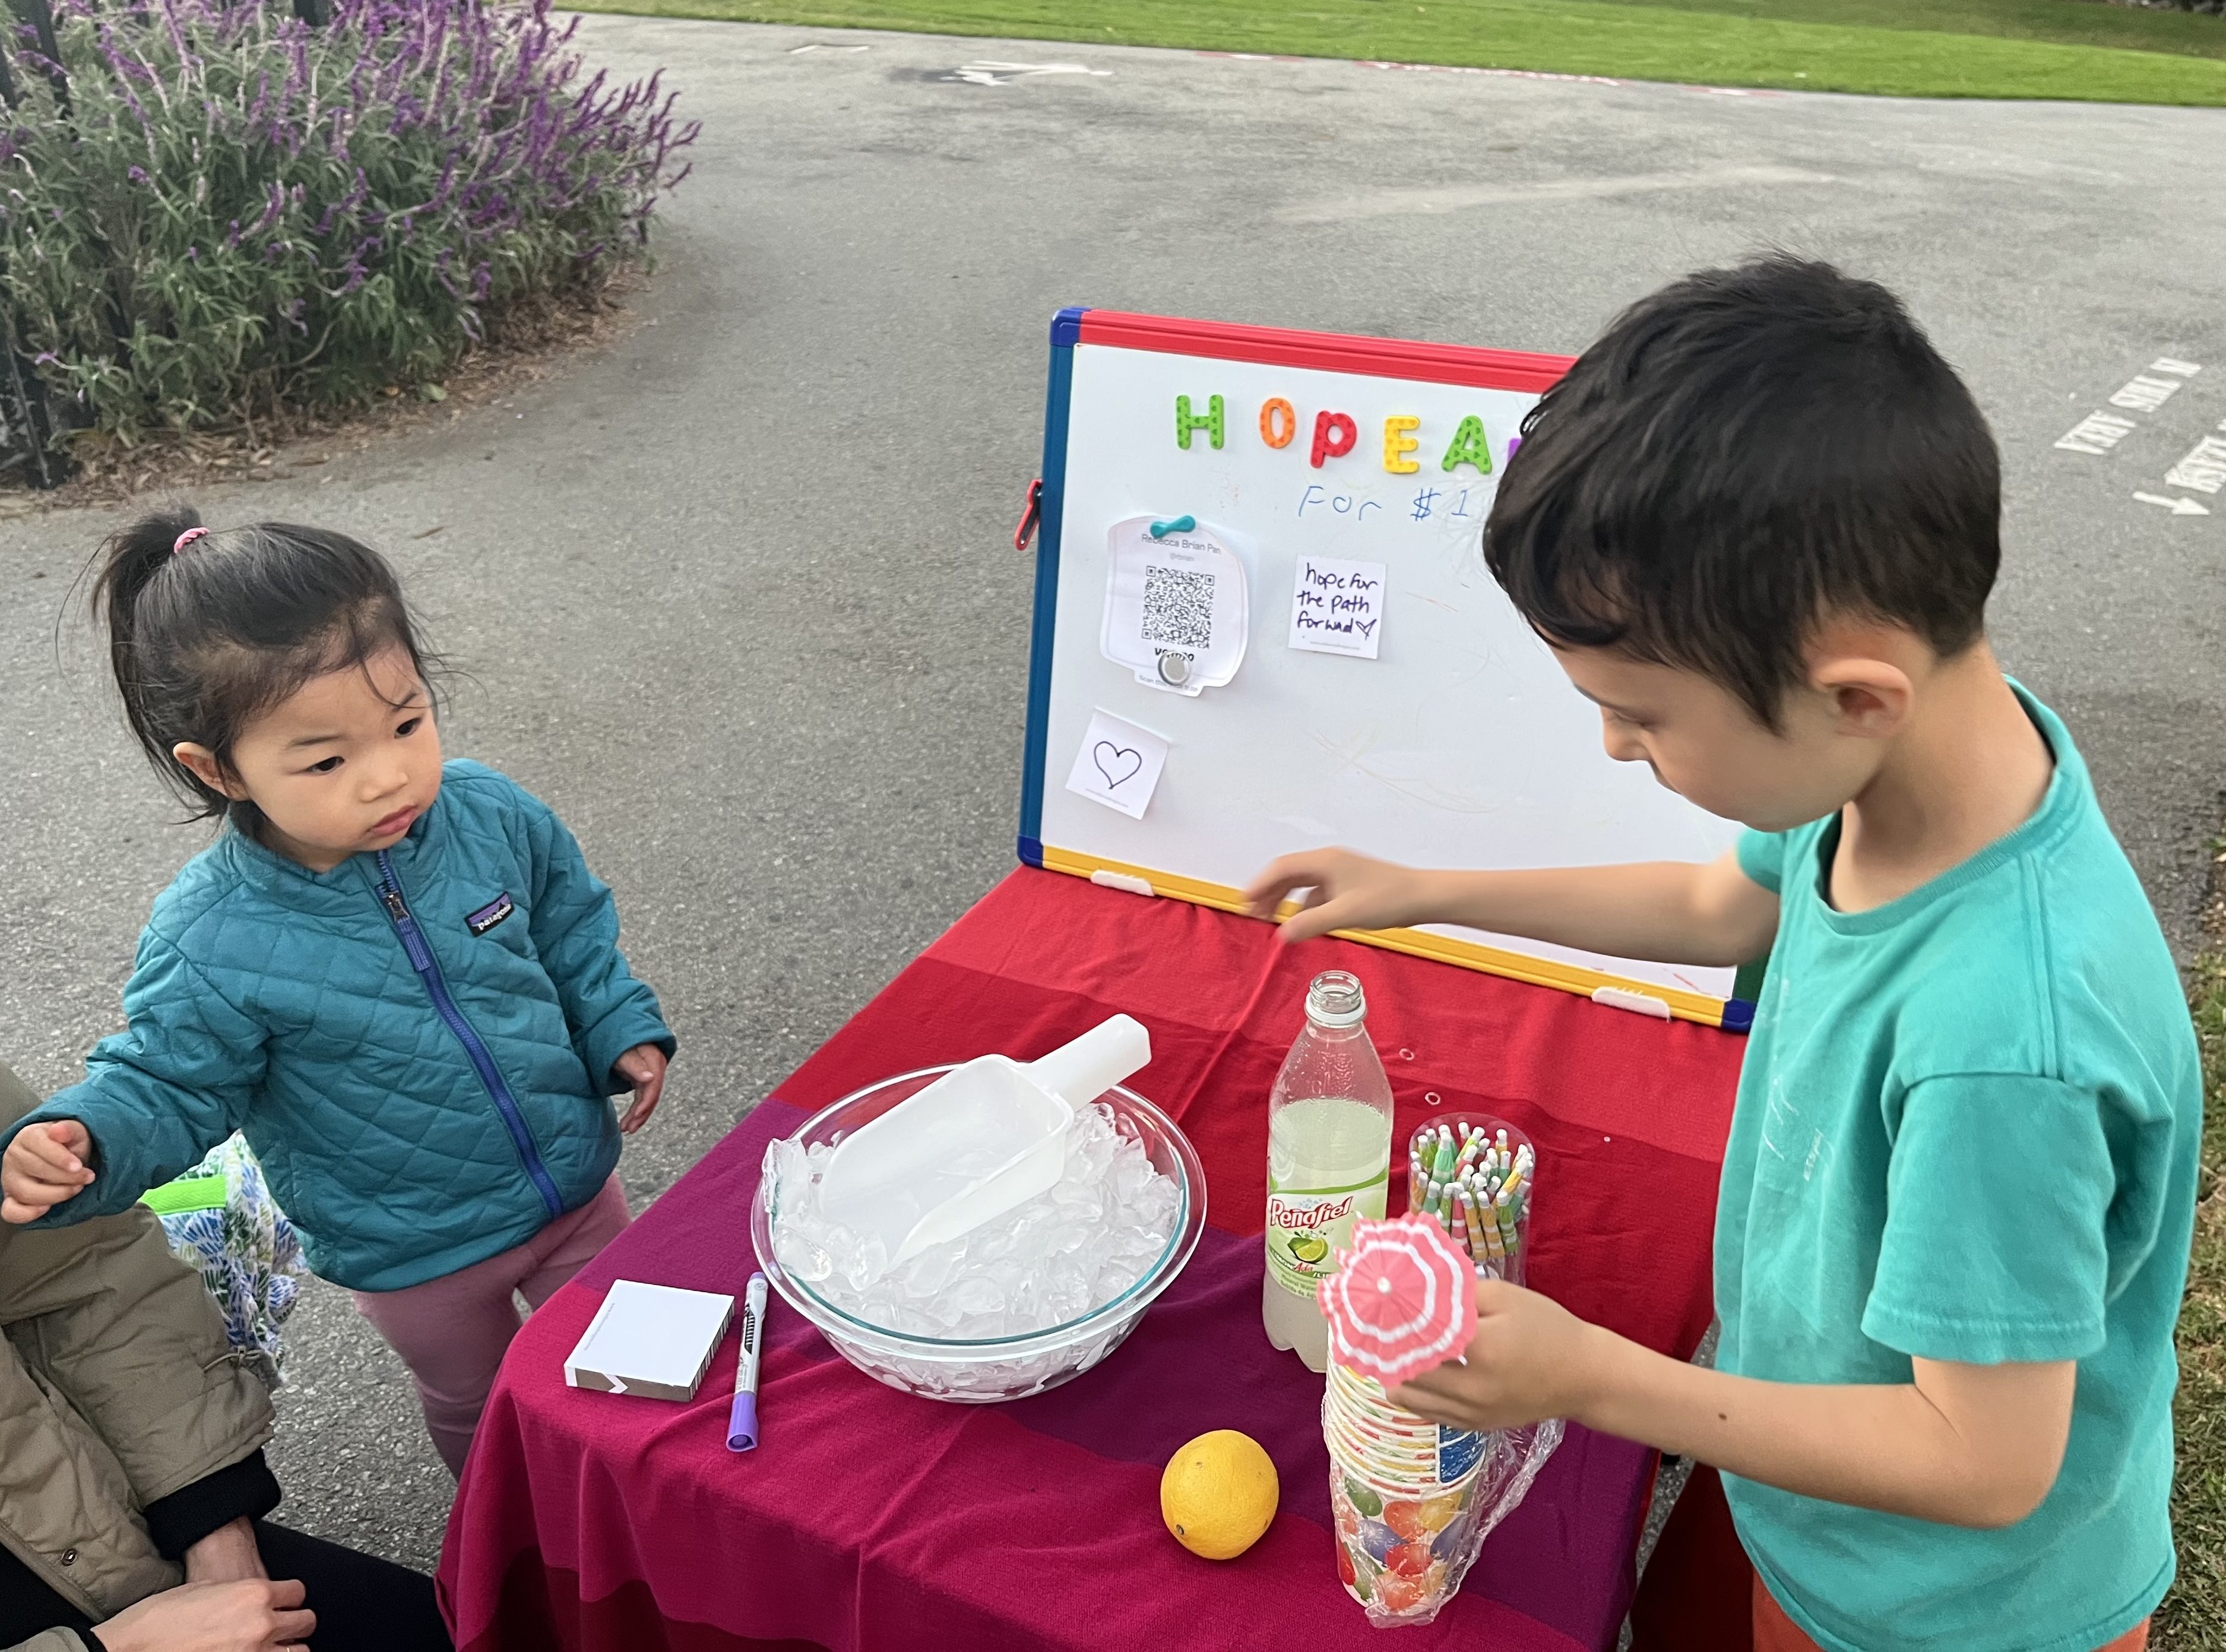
(1345, 891)
(43, 1166)
(643, 1067)
(1529, 1359)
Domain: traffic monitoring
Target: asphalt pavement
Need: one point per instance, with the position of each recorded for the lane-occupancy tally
(737, 595)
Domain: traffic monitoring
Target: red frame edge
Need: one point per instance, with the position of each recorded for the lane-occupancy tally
(1345, 353)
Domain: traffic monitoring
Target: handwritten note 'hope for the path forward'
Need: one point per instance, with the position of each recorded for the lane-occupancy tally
(1119, 765)
(1337, 606)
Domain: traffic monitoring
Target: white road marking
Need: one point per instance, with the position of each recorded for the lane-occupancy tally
(2145, 394)
(2098, 432)
(1516, 74)
(821, 45)
(1393, 203)
(2202, 467)
(2166, 365)
(2180, 506)
(1448, 68)
(1003, 74)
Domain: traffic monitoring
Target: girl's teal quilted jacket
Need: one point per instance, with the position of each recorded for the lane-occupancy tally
(417, 1044)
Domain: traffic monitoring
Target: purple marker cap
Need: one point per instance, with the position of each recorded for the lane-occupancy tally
(742, 1423)
(742, 1420)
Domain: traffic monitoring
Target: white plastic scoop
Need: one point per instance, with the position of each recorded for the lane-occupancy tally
(978, 1142)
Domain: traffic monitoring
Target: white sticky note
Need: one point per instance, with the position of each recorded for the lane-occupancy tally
(1337, 606)
(1119, 765)
(653, 1340)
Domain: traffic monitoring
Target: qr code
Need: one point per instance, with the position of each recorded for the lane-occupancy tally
(1178, 608)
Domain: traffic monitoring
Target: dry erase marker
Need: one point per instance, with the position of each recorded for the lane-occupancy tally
(742, 1420)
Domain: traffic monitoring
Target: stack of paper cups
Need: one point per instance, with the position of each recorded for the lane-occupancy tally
(1404, 1493)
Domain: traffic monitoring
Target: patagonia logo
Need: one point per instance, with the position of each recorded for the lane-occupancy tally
(489, 915)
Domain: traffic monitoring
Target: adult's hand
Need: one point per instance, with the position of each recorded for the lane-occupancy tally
(253, 1616)
(44, 1166)
(228, 1555)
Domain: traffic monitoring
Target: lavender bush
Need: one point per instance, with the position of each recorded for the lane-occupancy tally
(228, 211)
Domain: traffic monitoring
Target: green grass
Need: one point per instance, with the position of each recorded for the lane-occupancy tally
(1946, 49)
(2193, 1618)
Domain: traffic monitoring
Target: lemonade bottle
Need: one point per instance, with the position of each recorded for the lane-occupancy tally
(1329, 1160)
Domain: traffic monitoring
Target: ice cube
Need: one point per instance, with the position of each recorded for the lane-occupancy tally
(1082, 1243)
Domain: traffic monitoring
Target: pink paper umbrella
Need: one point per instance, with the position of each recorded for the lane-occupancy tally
(1401, 1301)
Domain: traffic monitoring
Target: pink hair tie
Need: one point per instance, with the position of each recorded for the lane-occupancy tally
(188, 538)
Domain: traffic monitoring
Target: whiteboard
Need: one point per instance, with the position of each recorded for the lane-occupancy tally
(1460, 744)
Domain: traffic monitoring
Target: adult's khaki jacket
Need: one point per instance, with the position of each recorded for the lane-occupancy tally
(117, 1388)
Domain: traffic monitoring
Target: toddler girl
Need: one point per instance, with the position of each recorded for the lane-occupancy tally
(396, 977)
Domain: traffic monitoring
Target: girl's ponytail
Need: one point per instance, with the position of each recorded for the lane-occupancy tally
(129, 562)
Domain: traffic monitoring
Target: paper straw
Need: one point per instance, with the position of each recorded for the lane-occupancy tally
(1477, 1248)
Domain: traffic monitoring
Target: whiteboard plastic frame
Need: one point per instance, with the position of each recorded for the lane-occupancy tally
(1330, 351)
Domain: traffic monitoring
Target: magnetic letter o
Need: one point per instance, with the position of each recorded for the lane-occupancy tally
(1276, 414)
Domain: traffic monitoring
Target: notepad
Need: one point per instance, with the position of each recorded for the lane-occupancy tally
(652, 1340)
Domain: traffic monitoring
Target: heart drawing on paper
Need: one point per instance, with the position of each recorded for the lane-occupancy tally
(1118, 764)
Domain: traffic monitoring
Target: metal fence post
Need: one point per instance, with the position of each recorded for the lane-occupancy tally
(23, 396)
(23, 411)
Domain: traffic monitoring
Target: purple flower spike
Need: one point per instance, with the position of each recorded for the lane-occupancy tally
(431, 161)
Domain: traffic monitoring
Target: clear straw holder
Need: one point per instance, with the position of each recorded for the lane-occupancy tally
(1498, 1239)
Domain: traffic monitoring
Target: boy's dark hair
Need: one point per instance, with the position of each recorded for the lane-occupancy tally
(1739, 454)
(207, 636)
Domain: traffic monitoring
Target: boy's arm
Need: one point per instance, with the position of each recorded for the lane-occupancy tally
(1992, 1277)
(575, 924)
(1963, 1445)
(156, 1097)
(1666, 911)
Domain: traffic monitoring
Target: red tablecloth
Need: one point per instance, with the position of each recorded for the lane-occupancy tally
(870, 1520)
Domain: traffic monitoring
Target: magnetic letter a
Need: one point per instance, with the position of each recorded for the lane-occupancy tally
(1469, 447)
(1186, 421)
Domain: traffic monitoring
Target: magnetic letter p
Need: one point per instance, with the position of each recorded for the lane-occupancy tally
(1335, 435)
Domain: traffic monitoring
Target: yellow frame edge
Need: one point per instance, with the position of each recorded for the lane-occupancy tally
(1443, 949)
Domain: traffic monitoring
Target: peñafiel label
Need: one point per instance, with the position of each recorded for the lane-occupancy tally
(1307, 1227)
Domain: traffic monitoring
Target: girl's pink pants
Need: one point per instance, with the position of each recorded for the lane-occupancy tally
(451, 1331)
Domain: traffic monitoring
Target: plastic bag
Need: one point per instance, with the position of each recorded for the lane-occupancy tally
(221, 1220)
(1403, 1557)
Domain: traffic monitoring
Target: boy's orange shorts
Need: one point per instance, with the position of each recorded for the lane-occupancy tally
(1775, 1632)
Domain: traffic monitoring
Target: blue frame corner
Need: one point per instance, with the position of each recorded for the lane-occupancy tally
(1065, 333)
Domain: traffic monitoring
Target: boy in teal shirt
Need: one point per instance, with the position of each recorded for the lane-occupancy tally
(1757, 524)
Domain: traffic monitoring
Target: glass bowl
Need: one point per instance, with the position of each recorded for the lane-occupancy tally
(1002, 1368)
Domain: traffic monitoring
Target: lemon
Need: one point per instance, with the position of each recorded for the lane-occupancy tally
(1219, 1493)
